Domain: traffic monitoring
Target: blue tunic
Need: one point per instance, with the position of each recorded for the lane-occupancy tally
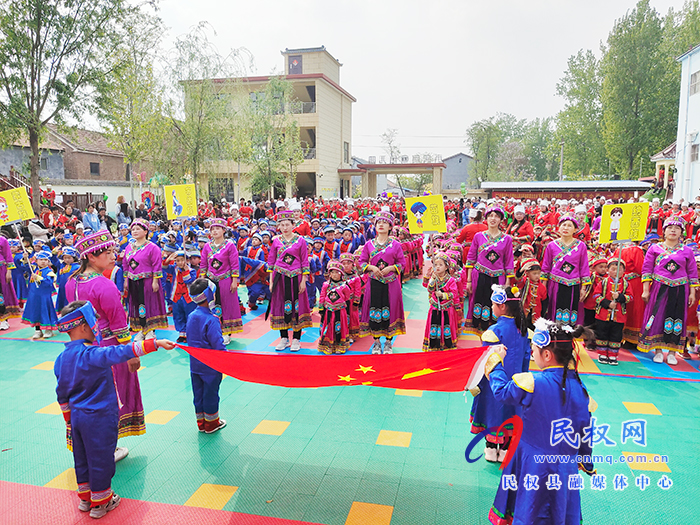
(486, 411)
(20, 274)
(539, 397)
(204, 331)
(40, 307)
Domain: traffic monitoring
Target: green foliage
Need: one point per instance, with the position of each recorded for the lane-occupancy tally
(633, 94)
(276, 149)
(52, 56)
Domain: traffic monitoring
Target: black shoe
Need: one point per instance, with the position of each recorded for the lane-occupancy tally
(603, 359)
(182, 339)
(252, 306)
(612, 361)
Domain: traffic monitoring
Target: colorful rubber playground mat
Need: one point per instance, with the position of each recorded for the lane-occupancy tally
(341, 455)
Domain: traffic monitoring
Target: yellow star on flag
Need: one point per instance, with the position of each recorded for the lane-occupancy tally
(423, 372)
(365, 369)
(346, 378)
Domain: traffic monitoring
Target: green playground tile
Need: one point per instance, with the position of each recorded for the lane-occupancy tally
(355, 450)
(422, 456)
(301, 430)
(384, 453)
(249, 500)
(347, 467)
(330, 511)
(412, 515)
(377, 492)
(287, 505)
(256, 445)
(387, 471)
(302, 479)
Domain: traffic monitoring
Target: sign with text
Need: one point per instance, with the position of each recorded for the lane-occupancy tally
(426, 214)
(624, 222)
(180, 200)
(15, 206)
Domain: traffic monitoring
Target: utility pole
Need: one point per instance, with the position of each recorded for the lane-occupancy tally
(561, 161)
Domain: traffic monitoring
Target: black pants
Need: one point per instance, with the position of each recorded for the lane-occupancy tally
(285, 333)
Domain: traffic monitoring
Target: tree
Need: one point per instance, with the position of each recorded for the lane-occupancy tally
(275, 140)
(200, 108)
(539, 144)
(633, 95)
(130, 102)
(579, 124)
(486, 138)
(393, 149)
(52, 54)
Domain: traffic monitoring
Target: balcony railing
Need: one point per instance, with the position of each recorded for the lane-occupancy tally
(302, 107)
(309, 153)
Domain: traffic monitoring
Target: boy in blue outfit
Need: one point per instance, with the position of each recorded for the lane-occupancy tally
(89, 404)
(204, 331)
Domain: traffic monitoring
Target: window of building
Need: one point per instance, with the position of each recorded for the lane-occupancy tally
(694, 152)
(44, 164)
(95, 168)
(695, 83)
(346, 152)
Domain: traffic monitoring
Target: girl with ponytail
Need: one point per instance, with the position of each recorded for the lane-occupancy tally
(555, 408)
(510, 331)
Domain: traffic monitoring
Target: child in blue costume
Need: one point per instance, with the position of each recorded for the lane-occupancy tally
(71, 256)
(547, 400)
(39, 310)
(204, 331)
(20, 273)
(510, 330)
(88, 400)
(183, 305)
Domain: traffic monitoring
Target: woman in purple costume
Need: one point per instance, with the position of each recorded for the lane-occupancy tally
(143, 269)
(489, 262)
(220, 265)
(382, 309)
(9, 305)
(89, 284)
(288, 261)
(565, 269)
(670, 280)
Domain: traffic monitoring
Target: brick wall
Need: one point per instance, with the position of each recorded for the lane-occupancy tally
(77, 166)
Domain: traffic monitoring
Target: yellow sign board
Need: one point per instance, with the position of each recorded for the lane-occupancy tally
(15, 206)
(624, 222)
(180, 200)
(426, 214)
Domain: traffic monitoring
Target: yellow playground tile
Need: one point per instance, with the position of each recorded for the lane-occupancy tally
(65, 480)
(587, 365)
(271, 428)
(53, 409)
(641, 408)
(410, 393)
(644, 461)
(392, 438)
(210, 496)
(46, 365)
(369, 514)
(160, 417)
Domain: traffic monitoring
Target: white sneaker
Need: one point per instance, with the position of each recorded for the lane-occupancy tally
(501, 455)
(151, 335)
(388, 348)
(38, 334)
(491, 454)
(283, 344)
(101, 510)
(296, 345)
(48, 334)
(227, 339)
(138, 337)
(4, 325)
(671, 358)
(84, 505)
(120, 453)
(377, 347)
(658, 357)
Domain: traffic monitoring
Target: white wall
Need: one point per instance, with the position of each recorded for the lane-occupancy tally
(112, 192)
(688, 173)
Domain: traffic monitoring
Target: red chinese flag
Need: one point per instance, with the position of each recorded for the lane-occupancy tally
(448, 371)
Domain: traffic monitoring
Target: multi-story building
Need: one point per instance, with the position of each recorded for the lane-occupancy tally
(687, 177)
(323, 112)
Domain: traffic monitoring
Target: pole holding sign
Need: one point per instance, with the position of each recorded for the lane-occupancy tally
(180, 200)
(426, 214)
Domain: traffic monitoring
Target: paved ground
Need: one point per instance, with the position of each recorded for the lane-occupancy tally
(342, 455)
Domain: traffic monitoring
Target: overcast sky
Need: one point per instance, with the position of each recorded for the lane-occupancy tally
(427, 68)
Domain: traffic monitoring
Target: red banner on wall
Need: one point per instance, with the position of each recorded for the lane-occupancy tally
(448, 371)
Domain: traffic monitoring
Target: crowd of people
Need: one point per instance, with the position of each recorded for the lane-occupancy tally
(504, 270)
